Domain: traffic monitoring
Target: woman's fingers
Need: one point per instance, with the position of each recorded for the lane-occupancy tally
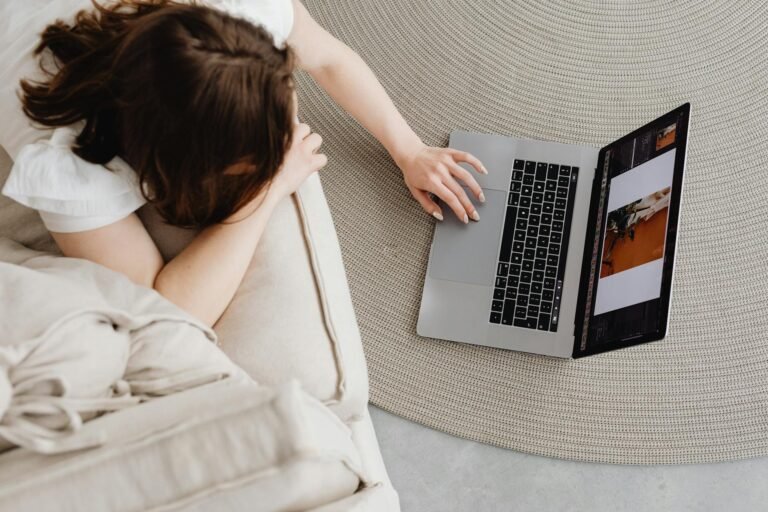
(450, 198)
(459, 172)
(300, 131)
(426, 202)
(463, 156)
(459, 192)
(313, 141)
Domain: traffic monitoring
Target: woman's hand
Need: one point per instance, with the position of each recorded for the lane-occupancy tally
(301, 160)
(436, 170)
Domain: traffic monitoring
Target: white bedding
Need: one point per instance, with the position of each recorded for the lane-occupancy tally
(77, 339)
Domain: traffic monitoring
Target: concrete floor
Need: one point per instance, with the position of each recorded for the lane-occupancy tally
(433, 471)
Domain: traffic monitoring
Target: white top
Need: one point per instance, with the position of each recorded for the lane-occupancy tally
(70, 193)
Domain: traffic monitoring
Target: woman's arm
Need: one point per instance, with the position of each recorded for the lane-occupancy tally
(352, 84)
(203, 278)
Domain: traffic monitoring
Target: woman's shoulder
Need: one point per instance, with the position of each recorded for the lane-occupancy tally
(49, 177)
(276, 16)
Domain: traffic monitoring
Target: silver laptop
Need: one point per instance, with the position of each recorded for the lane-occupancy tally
(574, 251)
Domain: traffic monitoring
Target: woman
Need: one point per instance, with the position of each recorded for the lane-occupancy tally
(191, 106)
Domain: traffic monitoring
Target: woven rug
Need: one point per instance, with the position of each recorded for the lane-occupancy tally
(575, 71)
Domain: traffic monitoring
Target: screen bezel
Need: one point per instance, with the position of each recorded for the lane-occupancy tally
(682, 114)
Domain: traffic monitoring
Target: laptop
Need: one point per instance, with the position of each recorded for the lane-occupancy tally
(574, 251)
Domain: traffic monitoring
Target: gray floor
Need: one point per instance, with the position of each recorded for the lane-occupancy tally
(433, 471)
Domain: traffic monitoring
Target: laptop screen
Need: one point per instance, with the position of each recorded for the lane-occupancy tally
(637, 196)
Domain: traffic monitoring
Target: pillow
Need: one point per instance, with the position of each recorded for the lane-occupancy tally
(292, 315)
(230, 445)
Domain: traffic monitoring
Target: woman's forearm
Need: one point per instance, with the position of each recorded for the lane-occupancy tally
(345, 80)
(203, 278)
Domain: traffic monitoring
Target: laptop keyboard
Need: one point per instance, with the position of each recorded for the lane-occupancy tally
(531, 266)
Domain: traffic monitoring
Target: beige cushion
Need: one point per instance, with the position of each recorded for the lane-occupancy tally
(292, 316)
(283, 445)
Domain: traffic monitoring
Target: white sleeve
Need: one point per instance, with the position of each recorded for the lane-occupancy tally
(71, 194)
(276, 16)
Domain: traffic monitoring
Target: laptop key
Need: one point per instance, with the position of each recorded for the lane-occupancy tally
(497, 305)
(551, 185)
(518, 246)
(498, 293)
(530, 167)
(541, 171)
(524, 289)
(522, 301)
(516, 257)
(547, 295)
(543, 321)
(511, 293)
(514, 199)
(513, 280)
(519, 165)
(521, 312)
(517, 175)
(509, 312)
(495, 317)
(534, 299)
(528, 179)
(552, 171)
(545, 307)
(502, 269)
(533, 311)
(528, 254)
(530, 323)
(547, 208)
(501, 282)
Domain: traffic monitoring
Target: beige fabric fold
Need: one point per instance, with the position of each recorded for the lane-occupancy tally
(583, 72)
(77, 339)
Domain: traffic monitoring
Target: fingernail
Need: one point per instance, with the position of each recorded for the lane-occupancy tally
(475, 216)
(437, 215)
(482, 197)
(485, 171)
(466, 219)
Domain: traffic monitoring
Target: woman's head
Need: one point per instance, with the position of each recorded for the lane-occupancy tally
(199, 103)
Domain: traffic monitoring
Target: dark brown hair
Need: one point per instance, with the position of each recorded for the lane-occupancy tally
(181, 92)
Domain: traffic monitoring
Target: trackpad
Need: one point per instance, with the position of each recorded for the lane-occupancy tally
(468, 253)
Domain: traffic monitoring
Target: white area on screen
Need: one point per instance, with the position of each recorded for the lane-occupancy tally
(645, 179)
(638, 284)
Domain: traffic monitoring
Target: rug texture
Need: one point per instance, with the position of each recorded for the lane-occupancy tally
(575, 71)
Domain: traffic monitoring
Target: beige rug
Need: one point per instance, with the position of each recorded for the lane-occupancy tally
(573, 71)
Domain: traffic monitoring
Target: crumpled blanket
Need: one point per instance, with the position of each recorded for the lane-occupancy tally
(78, 339)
